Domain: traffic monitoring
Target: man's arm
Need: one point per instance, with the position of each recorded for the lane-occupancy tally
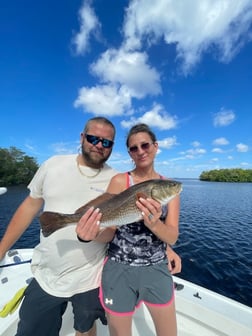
(20, 221)
(174, 261)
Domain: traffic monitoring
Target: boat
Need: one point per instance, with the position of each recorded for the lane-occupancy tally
(200, 312)
(3, 190)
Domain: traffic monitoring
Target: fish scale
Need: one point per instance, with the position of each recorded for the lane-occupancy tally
(117, 209)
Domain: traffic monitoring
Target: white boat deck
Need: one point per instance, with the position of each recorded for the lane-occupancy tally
(200, 312)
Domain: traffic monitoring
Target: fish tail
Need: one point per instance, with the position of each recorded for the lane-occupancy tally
(51, 222)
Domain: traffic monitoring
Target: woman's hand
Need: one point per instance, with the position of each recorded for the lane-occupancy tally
(88, 226)
(151, 211)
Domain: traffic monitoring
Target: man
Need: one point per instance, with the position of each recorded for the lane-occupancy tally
(64, 268)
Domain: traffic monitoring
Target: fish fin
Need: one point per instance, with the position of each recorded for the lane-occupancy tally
(141, 195)
(95, 202)
(82, 209)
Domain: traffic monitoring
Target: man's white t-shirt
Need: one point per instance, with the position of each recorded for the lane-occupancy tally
(61, 264)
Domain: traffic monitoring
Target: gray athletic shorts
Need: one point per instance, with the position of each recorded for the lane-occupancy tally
(124, 287)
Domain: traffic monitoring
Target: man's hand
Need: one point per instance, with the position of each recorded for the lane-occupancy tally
(174, 261)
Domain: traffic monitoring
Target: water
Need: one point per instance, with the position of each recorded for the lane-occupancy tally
(8, 205)
(215, 241)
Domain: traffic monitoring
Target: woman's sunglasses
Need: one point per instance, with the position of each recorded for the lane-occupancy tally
(94, 140)
(144, 146)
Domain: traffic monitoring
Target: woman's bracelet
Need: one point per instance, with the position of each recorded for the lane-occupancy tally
(83, 240)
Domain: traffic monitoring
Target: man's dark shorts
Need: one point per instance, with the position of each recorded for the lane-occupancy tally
(41, 313)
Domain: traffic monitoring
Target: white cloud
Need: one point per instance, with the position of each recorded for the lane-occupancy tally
(123, 76)
(192, 26)
(157, 117)
(103, 100)
(126, 73)
(128, 69)
(220, 142)
(89, 24)
(217, 150)
(197, 151)
(193, 153)
(168, 143)
(223, 118)
(195, 143)
(190, 156)
(242, 148)
(64, 147)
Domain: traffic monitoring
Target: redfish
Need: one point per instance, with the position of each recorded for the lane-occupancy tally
(117, 209)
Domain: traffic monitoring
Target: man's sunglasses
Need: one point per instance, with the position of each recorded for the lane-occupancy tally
(144, 146)
(94, 140)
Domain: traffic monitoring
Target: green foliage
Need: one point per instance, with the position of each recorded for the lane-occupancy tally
(227, 175)
(15, 167)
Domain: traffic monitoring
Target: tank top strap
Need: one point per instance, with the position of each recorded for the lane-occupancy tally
(129, 180)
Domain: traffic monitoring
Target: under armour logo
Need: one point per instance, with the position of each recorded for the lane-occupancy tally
(109, 301)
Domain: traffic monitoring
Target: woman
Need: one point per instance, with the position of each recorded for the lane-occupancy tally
(136, 269)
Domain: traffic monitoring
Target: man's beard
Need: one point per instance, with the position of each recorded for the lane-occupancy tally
(91, 161)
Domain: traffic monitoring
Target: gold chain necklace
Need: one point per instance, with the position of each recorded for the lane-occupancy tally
(83, 174)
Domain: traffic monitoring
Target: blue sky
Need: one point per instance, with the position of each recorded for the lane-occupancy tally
(183, 67)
